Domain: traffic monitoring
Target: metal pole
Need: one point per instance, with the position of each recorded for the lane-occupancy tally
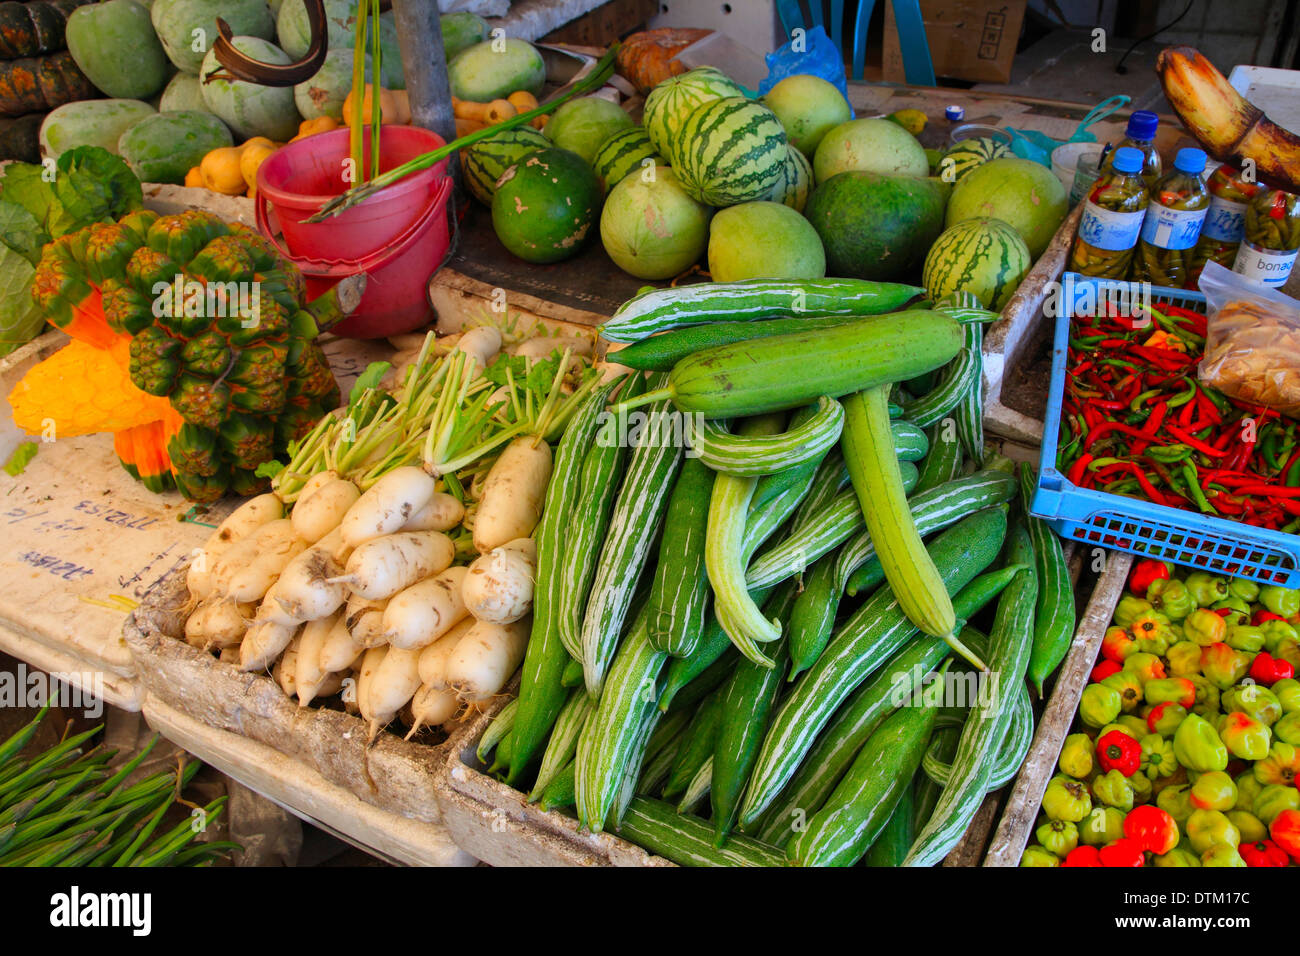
(419, 34)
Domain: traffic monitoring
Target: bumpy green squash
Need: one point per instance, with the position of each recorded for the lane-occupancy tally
(247, 108)
(161, 148)
(176, 20)
(114, 44)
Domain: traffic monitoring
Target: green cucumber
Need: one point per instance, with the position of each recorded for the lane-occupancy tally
(572, 676)
(961, 375)
(892, 842)
(1054, 612)
(829, 479)
(660, 353)
(679, 595)
(813, 616)
(500, 726)
(970, 410)
(688, 841)
(564, 739)
(943, 463)
(699, 787)
(697, 745)
(561, 793)
(659, 310)
(691, 678)
(751, 456)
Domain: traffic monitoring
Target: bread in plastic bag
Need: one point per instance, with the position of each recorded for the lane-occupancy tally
(1252, 348)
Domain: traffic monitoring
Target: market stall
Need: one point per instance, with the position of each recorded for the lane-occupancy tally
(663, 472)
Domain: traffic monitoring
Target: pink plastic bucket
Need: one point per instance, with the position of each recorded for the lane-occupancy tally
(399, 237)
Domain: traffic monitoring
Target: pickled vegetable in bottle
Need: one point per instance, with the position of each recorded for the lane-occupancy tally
(1179, 203)
(1140, 134)
(1112, 219)
(1271, 238)
(1225, 223)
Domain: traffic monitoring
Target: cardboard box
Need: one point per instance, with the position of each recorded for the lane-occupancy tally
(972, 40)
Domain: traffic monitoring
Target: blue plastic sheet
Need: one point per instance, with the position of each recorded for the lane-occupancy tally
(816, 55)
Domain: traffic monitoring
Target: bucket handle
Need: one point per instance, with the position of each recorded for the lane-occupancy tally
(336, 268)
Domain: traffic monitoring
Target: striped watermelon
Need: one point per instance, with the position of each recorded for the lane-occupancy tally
(623, 153)
(982, 257)
(669, 103)
(485, 161)
(730, 151)
(966, 155)
(795, 182)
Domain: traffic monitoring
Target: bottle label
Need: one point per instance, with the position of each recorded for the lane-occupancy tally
(1108, 229)
(1268, 266)
(1226, 220)
(1168, 228)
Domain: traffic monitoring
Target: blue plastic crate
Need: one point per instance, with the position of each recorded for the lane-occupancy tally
(1142, 527)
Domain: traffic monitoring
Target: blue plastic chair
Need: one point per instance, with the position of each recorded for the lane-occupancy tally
(917, 65)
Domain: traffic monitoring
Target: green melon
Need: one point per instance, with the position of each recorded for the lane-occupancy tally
(764, 240)
(247, 108)
(583, 125)
(872, 146)
(961, 158)
(795, 182)
(874, 226)
(485, 161)
(545, 205)
(622, 154)
(114, 44)
(324, 93)
(163, 147)
(729, 151)
(808, 107)
(461, 30)
(983, 257)
(1017, 191)
(669, 103)
(485, 72)
(176, 23)
(90, 123)
(651, 228)
(293, 34)
(182, 93)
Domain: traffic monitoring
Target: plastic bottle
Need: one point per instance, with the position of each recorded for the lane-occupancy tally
(1225, 223)
(1140, 134)
(1272, 238)
(1112, 219)
(1173, 221)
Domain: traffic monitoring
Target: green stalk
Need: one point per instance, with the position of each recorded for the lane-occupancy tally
(355, 142)
(145, 832)
(376, 115)
(20, 739)
(593, 81)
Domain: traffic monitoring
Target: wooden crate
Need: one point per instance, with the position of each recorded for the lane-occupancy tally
(1022, 804)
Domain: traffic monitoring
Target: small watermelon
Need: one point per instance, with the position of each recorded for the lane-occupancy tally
(963, 157)
(623, 153)
(983, 257)
(485, 161)
(1020, 192)
(545, 204)
(795, 182)
(669, 103)
(730, 151)
(581, 126)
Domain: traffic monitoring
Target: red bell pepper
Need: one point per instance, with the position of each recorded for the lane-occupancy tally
(1151, 828)
(1263, 853)
(1083, 856)
(1103, 670)
(1123, 852)
(1285, 831)
(1268, 670)
(1143, 573)
(1118, 751)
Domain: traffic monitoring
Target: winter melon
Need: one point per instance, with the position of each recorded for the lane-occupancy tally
(582, 125)
(293, 35)
(483, 73)
(163, 147)
(114, 44)
(461, 30)
(545, 205)
(729, 151)
(764, 240)
(624, 153)
(182, 93)
(984, 257)
(188, 28)
(485, 161)
(247, 108)
(651, 228)
(1019, 192)
(808, 107)
(795, 182)
(870, 145)
(324, 93)
(90, 123)
(669, 103)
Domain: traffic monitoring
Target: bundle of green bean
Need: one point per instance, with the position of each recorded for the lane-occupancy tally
(742, 694)
(67, 807)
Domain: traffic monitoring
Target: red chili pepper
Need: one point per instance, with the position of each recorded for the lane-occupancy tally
(1076, 472)
(1207, 407)
(1222, 611)
(1195, 442)
(1269, 491)
(1261, 615)
(1149, 489)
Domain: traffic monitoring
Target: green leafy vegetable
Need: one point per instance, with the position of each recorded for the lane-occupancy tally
(269, 469)
(370, 378)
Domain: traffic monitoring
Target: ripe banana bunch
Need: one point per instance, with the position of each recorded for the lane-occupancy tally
(1229, 127)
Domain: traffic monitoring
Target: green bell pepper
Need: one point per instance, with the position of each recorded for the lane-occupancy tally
(1184, 659)
(1207, 697)
(1245, 638)
(1244, 736)
(1171, 598)
(1158, 758)
(1283, 601)
(1213, 791)
(1207, 828)
(1204, 627)
(1076, 756)
(1099, 705)
(1206, 588)
(1129, 688)
(1243, 589)
(1143, 790)
(1289, 650)
(1287, 692)
(1248, 788)
(1144, 666)
(1101, 826)
(1165, 718)
(1222, 666)
(1130, 608)
(1174, 801)
(1037, 856)
(1114, 790)
(1255, 701)
(1272, 799)
(1170, 690)
(1275, 632)
(1282, 765)
(1058, 837)
(1287, 729)
(1177, 857)
(1222, 854)
(1198, 747)
(1238, 610)
(1251, 827)
(1066, 799)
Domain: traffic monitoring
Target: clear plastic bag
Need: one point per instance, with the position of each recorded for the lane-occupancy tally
(1252, 347)
(817, 55)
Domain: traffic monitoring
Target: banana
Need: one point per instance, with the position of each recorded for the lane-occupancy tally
(1226, 124)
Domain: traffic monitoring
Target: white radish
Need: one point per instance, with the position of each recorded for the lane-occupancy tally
(229, 655)
(365, 675)
(251, 583)
(340, 647)
(433, 659)
(430, 707)
(419, 615)
(499, 585)
(381, 567)
(308, 588)
(217, 623)
(395, 682)
(485, 657)
(387, 505)
(365, 619)
(286, 667)
(543, 346)
(317, 515)
(239, 524)
(263, 643)
(274, 537)
(513, 494)
(481, 344)
(308, 673)
(442, 513)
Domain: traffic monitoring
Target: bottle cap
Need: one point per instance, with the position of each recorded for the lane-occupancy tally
(1127, 160)
(1190, 161)
(1142, 125)
(955, 113)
